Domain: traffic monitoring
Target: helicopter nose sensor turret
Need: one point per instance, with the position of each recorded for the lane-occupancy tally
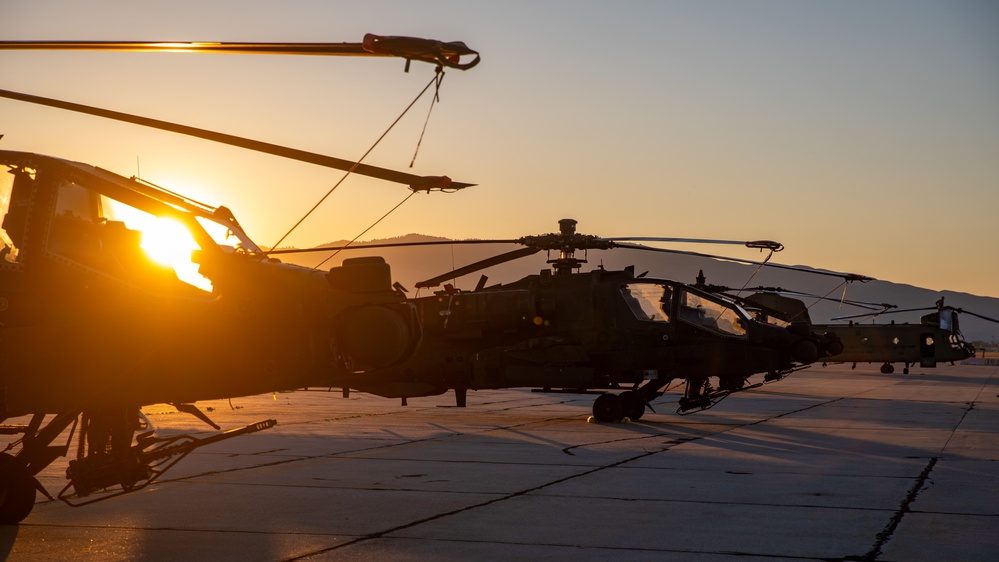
(376, 334)
(805, 351)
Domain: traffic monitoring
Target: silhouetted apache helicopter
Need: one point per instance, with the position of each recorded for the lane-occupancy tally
(598, 330)
(91, 328)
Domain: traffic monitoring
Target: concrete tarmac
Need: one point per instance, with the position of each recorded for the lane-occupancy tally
(828, 464)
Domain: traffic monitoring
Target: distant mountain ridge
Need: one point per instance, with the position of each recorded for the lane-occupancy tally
(410, 265)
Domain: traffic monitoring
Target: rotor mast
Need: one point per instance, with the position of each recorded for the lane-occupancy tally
(567, 262)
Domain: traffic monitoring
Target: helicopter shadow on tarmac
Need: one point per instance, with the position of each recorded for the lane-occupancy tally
(8, 535)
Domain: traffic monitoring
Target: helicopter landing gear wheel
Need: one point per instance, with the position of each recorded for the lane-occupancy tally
(17, 492)
(887, 369)
(632, 405)
(608, 408)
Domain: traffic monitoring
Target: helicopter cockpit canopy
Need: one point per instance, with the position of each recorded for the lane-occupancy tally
(112, 224)
(663, 301)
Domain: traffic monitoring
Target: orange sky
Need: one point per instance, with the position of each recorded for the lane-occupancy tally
(864, 136)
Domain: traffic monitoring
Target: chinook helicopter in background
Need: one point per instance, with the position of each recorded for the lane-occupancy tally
(92, 328)
(936, 338)
(621, 335)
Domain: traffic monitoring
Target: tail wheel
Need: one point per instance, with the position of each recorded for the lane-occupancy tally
(17, 492)
(632, 405)
(607, 408)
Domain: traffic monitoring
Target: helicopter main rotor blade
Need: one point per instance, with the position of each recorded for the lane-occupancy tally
(416, 183)
(870, 314)
(328, 49)
(756, 244)
(411, 48)
(845, 276)
(962, 311)
(479, 265)
(878, 307)
(958, 310)
(388, 245)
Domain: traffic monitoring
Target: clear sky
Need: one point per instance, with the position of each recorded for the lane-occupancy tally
(862, 135)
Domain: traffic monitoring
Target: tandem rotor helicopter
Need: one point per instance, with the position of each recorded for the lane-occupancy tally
(92, 328)
(935, 338)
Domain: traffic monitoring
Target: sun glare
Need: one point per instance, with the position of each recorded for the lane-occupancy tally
(170, 243)
(165, 241)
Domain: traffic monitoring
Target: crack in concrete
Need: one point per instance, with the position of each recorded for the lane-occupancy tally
(886, 534)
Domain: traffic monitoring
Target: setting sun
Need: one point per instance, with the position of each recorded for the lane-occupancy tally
(167, 242)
